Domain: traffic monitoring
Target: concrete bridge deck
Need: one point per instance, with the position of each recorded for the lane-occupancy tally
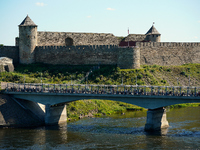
(154, 98)
(150, 97)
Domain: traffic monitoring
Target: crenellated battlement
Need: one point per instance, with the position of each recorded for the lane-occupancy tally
(113, 47)
(82, 48)
(167, 44)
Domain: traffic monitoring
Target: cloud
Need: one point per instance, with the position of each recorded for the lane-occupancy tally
(40, 4)
(89, 16)
(196, 37)
(110, 9)
(199, 21)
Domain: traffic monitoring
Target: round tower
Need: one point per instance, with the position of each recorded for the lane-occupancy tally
(153, 35)
(129, 58)
(27, 41)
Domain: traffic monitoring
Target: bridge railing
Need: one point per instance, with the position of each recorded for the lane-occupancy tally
(104, 89)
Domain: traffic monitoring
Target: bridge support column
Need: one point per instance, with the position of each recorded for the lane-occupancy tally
(156, 119)
(55, 114)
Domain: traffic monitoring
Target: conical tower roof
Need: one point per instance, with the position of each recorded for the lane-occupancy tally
(27, 22)
(152, 30)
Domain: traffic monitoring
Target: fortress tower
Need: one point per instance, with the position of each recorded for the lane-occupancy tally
(27, 41)
(153, 35)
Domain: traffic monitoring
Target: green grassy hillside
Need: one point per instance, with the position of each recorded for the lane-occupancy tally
(147, 75)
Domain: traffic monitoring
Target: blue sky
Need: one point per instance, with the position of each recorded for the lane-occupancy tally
(176, 20)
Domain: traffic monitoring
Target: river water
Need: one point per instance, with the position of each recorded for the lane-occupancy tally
(114, 132)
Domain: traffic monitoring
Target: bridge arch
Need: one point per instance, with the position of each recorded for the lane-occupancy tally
(148, 102)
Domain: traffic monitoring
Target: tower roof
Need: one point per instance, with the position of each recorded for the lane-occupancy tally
(152, 30)
(27, 22)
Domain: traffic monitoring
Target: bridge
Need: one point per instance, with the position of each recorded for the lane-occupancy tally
(54, 96)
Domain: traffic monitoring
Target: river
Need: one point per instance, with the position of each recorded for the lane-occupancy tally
(113, 132)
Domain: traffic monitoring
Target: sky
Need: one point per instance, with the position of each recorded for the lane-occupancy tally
(175, 20)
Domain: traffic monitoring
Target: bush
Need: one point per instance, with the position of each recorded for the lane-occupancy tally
(152, 70)
(139, 76)
(154, 66)
(169, 70)
(121, 38)
(146, 67)
(108, 82)
(153, 82)
(182, 73)
(97, 80)
(163, 81)
(140, 82)
(160, 68)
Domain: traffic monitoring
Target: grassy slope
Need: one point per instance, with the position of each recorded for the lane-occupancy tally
(147, 75)
(97, 108)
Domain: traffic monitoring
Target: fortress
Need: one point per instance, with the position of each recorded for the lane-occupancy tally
(70, 48)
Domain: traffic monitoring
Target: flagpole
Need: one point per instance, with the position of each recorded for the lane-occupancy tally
(128, 37)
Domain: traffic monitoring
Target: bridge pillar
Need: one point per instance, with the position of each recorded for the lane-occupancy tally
(55, 114)
(156, 119)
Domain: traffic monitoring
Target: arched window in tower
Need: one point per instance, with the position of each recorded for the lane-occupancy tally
(68, 41)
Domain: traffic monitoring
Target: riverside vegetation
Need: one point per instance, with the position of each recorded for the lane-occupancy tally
(184, 75)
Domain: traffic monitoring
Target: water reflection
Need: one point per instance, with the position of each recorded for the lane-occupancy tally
(160, 132)
(57, 133)
(23, 138)
(122, 132)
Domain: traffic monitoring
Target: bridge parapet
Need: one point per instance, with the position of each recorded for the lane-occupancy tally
(178, 91)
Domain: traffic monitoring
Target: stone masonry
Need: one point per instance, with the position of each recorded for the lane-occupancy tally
(69, 39)
(6, 64)
(166, 54)
(77, 55)
(96, 48)
(10, 52)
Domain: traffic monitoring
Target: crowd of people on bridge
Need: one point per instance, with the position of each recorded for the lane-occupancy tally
(103, 90)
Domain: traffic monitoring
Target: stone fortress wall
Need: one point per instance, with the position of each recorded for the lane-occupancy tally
(11, 52)
(77, 55)
(162, 53)
(96, 48)
(69, 39)
(159, 53)
(168, 53)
